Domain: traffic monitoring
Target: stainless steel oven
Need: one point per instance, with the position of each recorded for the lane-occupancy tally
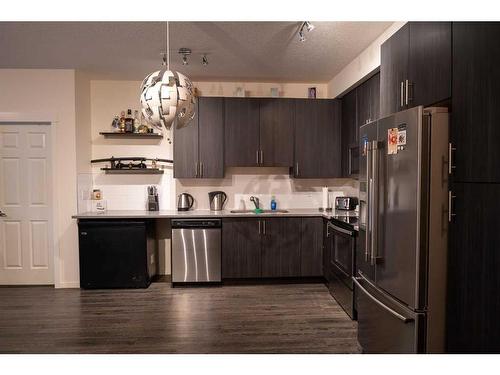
(342, 248)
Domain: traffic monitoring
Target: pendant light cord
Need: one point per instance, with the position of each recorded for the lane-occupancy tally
(167, 35)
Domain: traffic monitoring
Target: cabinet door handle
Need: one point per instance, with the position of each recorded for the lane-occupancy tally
(297, 169)
(257, 155)
(196, 169)
(259, 227)
(450, 205)
(264, 227)
(451, 167)
(402, 89)
(201, 168)
(261, 157)
(407, 90)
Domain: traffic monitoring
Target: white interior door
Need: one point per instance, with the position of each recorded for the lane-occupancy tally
(26, 236)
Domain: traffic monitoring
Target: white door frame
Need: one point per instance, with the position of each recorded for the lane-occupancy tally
(16, 118)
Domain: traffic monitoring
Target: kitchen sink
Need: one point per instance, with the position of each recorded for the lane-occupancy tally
(263, 212)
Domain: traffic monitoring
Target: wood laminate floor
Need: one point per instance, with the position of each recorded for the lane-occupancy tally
(293, 318)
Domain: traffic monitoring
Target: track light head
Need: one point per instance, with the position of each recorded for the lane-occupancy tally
(185, 52)
(302, 38)
(309, 26)
(204, 60)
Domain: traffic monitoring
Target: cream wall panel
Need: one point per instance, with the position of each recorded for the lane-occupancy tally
(13, 245)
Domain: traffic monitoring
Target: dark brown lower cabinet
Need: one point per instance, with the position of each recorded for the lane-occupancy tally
(311, 246)
(473, 307)
(281, 247)
(241, 250)
(272, 247)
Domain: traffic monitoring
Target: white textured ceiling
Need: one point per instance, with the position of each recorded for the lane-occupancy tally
(241, 51)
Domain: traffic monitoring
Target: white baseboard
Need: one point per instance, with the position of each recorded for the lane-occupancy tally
(68, 284)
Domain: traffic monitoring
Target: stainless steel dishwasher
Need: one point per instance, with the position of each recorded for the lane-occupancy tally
(196, 251)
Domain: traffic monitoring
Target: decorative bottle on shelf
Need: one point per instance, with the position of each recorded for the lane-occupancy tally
(115, 125)
(143, 128)
(137, 121)
(129, 122)
(122, 122)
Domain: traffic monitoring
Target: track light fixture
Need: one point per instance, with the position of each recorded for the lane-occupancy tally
(308, 26)
(185, 52)
(204, 60)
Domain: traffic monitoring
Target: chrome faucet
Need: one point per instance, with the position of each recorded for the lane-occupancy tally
(255, 201)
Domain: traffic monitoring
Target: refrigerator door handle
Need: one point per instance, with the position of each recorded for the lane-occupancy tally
(404, 319)
(374, 204)
(368, 203)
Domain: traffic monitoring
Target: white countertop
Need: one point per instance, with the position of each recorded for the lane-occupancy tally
(174, 214)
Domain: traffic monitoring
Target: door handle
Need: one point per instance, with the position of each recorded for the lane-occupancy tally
(402, 89)
(338, 229)
(2, 214)
(451, 167)
(403, 318)
(450, 205)
(349, 162)
(407, 90)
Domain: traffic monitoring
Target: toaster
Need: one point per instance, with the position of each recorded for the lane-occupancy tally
(346, 203)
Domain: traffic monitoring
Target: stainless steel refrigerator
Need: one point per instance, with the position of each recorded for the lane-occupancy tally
(400, 282)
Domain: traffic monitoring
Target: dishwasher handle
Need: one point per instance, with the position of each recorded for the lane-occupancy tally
(196, 223)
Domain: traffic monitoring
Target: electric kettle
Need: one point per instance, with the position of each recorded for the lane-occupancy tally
(185, 202)
(217, 200)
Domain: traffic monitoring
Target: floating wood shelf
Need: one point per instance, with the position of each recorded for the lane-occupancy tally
(131, 135)
(132, 171)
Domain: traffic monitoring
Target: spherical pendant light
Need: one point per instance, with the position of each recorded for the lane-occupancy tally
(167, 96)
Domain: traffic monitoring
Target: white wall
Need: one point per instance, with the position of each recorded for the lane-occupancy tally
(241, 183)
(364, 64)
(50, 95)
(261, 89)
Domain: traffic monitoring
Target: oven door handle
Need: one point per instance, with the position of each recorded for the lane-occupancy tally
(341, 230)
(404, 319)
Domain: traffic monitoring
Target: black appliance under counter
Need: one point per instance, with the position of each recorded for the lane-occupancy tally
(117, 253)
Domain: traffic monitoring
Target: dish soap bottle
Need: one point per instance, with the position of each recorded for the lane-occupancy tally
(273, 203)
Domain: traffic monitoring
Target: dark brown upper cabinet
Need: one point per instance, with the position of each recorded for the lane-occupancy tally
(241, 136)
(350, 133)
(259, 132)
(317, 138)
(276, 132)
(415, 66)
(475, 132)
(199, 147)
(186, 159)
(394, 71)
(359, 106)
(368, 101)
